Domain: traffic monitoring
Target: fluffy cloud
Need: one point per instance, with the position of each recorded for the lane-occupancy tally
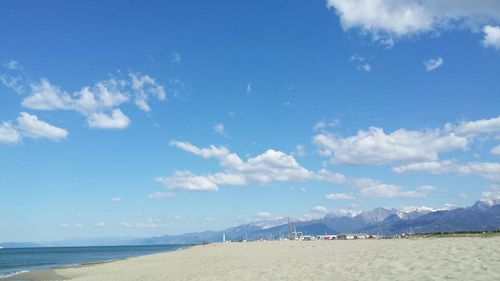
(474, 128)
(160, 195)
(28, 125)
(319, 209)
(220, 129)
(188, 181)
(98, 103)
(265, 168)
(45, 96)
(361, 63)
(495, 150)
(433, 64)
(434, 167)
(12, 82)
(13, 65)
(389, 19)
(488, 170)
(491, 36)
(375, 147)
(325, 124)
(338, 196)
(9, 134)
(117, 120)
(491, 195)
(144, 86)
(373, 188)
(150, 224)
(263, 215)
(31, 127)
(270, 166)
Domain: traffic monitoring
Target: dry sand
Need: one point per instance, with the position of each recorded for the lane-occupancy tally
(405, 259)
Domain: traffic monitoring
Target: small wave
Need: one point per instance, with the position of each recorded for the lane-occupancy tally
(12, 274)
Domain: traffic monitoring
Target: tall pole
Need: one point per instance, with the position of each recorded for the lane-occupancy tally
(290, 228)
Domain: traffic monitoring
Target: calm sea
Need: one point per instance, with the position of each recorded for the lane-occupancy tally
(17, 260)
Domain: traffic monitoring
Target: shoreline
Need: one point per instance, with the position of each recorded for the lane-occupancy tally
(456, 258)
(49, 272)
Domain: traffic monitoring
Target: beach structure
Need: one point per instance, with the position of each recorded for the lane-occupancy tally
(326, 237)
(307, 238)
(291, 235)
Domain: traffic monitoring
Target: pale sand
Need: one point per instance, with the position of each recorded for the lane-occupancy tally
(417, 259)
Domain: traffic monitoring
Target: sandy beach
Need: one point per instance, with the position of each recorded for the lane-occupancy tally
(404, 259)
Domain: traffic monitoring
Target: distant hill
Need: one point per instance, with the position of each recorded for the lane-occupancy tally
(482, 216)
(19, 245)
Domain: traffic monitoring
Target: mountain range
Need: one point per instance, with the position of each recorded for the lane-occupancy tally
(482, 216)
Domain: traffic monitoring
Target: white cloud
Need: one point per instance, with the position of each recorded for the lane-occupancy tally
(9, 134)
(338, 196)
(474, 128)
(325, 175)
(45, 96)
(249, 88)
(488, 170)
(13, 65)
(491, 195)
(495, 150)
(100, 224)
(13, 83)
(76, 225)
(103, 96)
(319, 209)
(175, 57)
(220, 129)
(432, 64)
(491, 36)
(373, 188)
(326, 124)
(149, 224)
(116, 199)
(188, 181)
(31, 127)
(117, 120)
(99, 103)
(387, 20)
(271, 166)
(145, 86)
(160, 195)
(376, 147)
(263, 215)
(265, 168)
(434, 167)
(361, 63)
(300, 150)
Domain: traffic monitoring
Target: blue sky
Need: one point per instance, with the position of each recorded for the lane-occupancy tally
(139, 119)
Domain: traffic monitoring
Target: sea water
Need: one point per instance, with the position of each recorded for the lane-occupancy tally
(16, 260)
